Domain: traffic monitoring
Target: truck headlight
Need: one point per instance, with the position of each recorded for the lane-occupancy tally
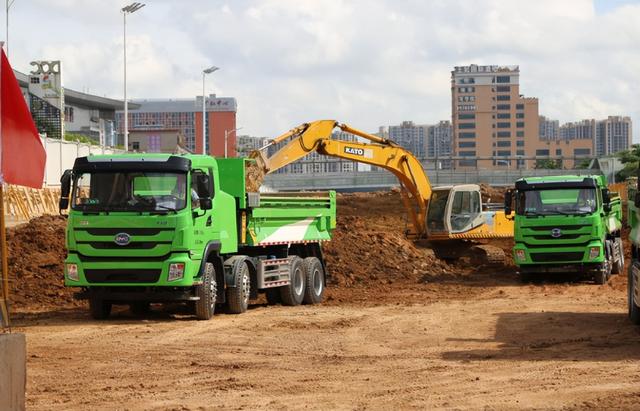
(176, 271)
(72, 272)
(521, 255)
(594, 252)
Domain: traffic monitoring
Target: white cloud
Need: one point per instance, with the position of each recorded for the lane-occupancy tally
(367, 63)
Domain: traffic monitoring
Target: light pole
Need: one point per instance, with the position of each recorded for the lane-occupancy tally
(9, 3)
(204, 112)
(131, 8)
(226, 134)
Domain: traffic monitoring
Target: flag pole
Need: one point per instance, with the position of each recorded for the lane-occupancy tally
(4, 311)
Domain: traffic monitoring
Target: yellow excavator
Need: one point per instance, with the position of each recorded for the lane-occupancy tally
(451, 218)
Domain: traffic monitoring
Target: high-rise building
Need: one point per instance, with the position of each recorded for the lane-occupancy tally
(490, 117)
(439, 138)
(246, 144)
(578, 130)
(185, 115)
(549, 129)
(410, 136)
(613, 135)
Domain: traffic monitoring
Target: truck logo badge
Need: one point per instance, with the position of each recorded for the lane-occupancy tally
(556, 232)
(355, 151)
(122, 239)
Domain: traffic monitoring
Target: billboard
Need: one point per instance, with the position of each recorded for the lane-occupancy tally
(47, 97)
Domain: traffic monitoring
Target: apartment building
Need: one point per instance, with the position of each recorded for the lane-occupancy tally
(410, 136)
(491, 118)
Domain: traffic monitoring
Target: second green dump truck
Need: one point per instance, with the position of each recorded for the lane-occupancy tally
(566, 224)
(147, 228)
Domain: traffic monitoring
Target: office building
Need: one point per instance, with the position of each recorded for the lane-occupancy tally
(185, 116)
(410, 136)
(490, 117)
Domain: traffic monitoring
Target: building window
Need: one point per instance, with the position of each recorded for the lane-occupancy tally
(68, 114)
(504, 115)
(503, 97)
(34, 80)
(466, 107)
(503, 88)
(558, 151)
(504, 143)
(520, 143)
(467, 153)
(467, 135)
(504, 106)
(504, 125)
(519, 115)
(544, 152)
(135, 145)
(503, 79)
(519, 133)
(504, 134)
(504, 153)
(467, 144)
(466, 125)
(519, 106)
(581, 151)
(519, 152)
(520, 124)
(466, 116)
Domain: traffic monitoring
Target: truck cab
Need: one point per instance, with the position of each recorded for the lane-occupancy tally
(566, 224)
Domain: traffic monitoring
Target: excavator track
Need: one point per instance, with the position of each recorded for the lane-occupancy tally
(489, 255)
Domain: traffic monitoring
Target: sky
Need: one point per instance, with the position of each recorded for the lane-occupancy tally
(367, 63)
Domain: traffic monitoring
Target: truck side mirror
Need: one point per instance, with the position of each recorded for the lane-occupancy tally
(65, 190)
(203, 186)
(206, 203)
(508, 201)
(606, 199)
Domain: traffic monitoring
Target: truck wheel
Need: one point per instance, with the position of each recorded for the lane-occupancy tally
(273, 296)
(140, 308)
(99, 308)
(634, 310)
(618, 264)
(314, 280)
(293, 294)
(602, 275)
(238, 296)
(207, 292)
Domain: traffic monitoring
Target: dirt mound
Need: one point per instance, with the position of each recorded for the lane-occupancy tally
(36, 256)
(492, 194)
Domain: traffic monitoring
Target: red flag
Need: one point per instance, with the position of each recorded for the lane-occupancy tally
(22, 157)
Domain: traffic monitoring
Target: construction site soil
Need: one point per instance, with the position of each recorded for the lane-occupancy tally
(400, 329)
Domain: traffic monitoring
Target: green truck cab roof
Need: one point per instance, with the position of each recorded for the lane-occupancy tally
(566, 180)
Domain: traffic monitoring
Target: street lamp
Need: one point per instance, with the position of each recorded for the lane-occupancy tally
(204, 113)
(9, 3)
(226, 134)
(131, 8)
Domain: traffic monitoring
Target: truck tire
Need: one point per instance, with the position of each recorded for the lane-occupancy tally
(238, 295)
(634, 310)
(207, 292)
(273, 296)
(293, 294)
(99, 308)
(140, 308)
(602, 275)
(618, 264)
(313, 281)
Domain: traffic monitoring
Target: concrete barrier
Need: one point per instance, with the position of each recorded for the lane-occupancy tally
(13, 371)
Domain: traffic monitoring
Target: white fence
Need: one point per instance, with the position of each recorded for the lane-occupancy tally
(62, 154)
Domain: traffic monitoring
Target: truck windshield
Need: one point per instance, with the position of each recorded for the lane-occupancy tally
(567, 201)
(129, 191)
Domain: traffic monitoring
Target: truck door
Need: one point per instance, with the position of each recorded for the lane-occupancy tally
(202, 219)
(465, 210)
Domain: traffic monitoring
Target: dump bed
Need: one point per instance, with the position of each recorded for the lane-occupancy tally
(277, 218)
(282, 218)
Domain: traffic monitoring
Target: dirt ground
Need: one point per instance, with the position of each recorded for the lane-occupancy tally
(400, 329)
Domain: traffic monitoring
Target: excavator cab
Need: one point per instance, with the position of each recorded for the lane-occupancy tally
(454, 209)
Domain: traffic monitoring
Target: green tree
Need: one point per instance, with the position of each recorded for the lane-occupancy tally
(549, 164)
(81, 138)
(630, 159)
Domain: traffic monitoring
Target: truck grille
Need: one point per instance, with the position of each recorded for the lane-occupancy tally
(130, 231)
(134, 245)
(122, 276)
(556, 257)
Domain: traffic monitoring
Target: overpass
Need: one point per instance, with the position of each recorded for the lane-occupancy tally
(383, 180)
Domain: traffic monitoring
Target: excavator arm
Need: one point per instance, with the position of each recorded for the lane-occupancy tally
(317, 137)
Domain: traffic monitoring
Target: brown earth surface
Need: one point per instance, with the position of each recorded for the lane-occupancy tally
(400, 330)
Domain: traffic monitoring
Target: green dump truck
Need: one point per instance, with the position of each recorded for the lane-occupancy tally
(566, 224)
(158, 228)
(633, 280)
